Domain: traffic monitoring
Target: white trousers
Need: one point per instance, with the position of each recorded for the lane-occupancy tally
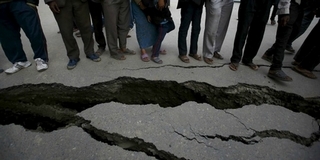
(218, 13)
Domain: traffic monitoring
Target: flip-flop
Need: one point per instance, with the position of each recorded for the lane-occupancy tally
(145, 57)
(234, 66)
(252, 66)
(156, 60)
(208, 60)
(195, 56)
(184, 58)
(304, 72)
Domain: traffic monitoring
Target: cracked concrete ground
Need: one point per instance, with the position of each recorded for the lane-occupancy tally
(176, 111)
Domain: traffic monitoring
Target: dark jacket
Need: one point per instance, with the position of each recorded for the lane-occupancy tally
(156, 15)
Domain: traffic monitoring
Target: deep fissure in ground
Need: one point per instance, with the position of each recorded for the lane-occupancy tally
(48, 107)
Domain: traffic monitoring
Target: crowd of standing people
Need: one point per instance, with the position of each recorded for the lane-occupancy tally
(153, 20)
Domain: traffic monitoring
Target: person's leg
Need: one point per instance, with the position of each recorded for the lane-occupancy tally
(245, 15)
(226, 11)
(256, 30)
(283, 34)
(195, 31)
(213, 13)
(65, 23)
(308, 16)
(111, 15)
(162, 30)
(186, 13)
(308, 47)
(28, 19)
(123, 24)
(10, 35)
(96, 16)
(82, 17)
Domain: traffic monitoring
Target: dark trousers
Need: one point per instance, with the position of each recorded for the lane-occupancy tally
(253, 17)
(163, 29)
(78, 11)
(283, 34)
(190, 12)
(297, 31)
(14, 16)
(117, 20)
(96, 13)
(309, 53)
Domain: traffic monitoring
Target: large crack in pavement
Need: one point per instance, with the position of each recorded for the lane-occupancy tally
(49, 107)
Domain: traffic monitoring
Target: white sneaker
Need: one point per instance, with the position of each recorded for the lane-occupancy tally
(17, 67)
(41, 64)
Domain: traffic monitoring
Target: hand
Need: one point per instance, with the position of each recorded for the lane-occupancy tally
(54, 7)
(161, 4)
(142, 7)
(283, 20)
(149, 19)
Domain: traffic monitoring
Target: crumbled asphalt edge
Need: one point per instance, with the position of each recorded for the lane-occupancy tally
(49, 107)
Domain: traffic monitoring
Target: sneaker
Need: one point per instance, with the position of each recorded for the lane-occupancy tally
(279, 75)
(41, 64)
(73, 63)
(94, 57)
(17, 67)
(1, 70)
(290, 49)
(267, 58)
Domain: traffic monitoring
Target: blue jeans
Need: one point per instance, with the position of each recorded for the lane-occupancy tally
(163, 29)
(14, 16)
(189, 13)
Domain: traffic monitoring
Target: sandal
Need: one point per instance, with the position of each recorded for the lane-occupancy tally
(304, 72)
(184, 58)
(118, 56)
(156, 60)
(208, 60)
(128, 51)
(234, 66)
(145, 57)
(217, 55)
(252, 66)
(195, 56)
